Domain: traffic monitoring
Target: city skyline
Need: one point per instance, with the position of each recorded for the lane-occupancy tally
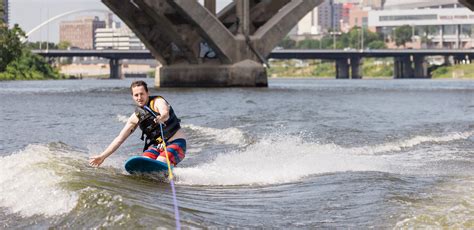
(30, 13)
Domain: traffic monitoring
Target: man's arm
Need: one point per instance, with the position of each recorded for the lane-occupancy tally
(163, 108)
(128, 129)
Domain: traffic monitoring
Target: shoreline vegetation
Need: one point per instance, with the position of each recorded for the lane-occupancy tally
(17, 62)
(320, 69)
(371, 69)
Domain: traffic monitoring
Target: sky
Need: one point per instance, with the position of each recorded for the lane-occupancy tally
(30, 13)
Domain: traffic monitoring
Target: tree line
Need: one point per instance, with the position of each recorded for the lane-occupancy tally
(355, 38)
(17, 62)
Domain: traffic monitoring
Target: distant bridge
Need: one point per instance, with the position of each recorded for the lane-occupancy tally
(376, 53)
(61, 16)
(409, 63)
(109, 54)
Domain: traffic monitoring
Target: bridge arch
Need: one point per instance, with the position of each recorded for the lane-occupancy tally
(63, 15)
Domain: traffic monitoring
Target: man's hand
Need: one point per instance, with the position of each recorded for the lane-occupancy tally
(96, 161)
(159, 120)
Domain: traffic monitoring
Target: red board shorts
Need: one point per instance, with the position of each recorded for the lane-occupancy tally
(176, 151)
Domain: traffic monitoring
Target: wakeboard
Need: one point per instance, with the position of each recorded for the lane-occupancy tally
(141, 164)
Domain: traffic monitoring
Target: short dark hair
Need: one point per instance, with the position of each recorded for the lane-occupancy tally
(138, 83)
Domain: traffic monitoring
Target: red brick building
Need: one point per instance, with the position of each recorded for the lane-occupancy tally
(80, 33)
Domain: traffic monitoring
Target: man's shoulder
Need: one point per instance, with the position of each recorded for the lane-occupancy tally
(133, 119)
(153, 97)
(159, 99)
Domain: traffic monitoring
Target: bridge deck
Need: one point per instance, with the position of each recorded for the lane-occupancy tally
(276, 54)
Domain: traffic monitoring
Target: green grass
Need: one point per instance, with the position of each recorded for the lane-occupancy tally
(377, 67)
(298, 68)
(460, 71)
(317, 68)
(371, 68)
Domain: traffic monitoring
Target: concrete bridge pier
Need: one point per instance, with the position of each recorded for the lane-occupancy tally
(421, 67)
(342, 69)
(355, 68)
(115, 68)
(246, 73)
(403, 67)
(198, 47)
(459, 59)
(210, 5)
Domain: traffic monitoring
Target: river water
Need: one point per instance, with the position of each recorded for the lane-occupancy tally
(302, 153)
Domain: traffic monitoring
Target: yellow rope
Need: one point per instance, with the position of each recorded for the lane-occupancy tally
(170, 175)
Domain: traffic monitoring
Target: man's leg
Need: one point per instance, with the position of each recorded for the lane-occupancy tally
(176, 151)
(152, 152)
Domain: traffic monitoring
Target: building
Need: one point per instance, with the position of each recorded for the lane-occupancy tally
(80, 33)
(346, 20)
(418, 4)
(346, 12)
(117, 38)
(4, 12)
(347, 1)
(327, 17)
(373, 4)
(308, 25)
(359, 17)
(435, 24)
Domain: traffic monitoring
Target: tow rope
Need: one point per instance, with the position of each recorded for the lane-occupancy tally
(170, 173)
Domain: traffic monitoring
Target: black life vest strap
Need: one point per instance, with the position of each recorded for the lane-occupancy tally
(149, 142)
(151, 132)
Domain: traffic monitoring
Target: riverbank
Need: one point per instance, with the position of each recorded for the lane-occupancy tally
(371, 69)
(101, 70)
(17, 62)
(460, 71)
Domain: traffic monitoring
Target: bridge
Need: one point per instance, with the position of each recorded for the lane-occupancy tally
(198, 46)
(408, 63)
(114, 56)
(468, 3)
(25, 39)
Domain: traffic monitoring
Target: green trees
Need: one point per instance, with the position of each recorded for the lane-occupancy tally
(29, 67)
(403, 35)
(64, 45)
(287, 43)
(356, 38)
(16, 60)
(309, 44)
(41, 45)
(361, 38)
(10, 45)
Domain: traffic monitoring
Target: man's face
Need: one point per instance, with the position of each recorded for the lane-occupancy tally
(140, 95)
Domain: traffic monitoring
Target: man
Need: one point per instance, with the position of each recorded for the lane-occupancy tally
(150, 125)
